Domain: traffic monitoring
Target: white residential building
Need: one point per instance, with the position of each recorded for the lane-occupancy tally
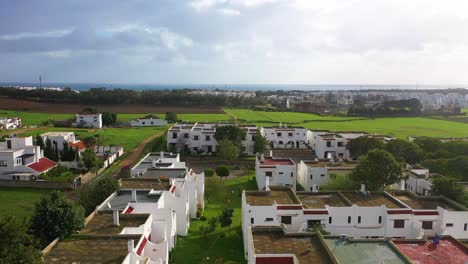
(356, 214)
(21, 160)
(7, 123)
(313, 174)
(418, 180)
(59, 138)
(275, 171)
(88, 120)
(149, 120)
(329, 145)
(284, 137)
(199, 138)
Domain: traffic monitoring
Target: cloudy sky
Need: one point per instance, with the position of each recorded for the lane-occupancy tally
(235, 41)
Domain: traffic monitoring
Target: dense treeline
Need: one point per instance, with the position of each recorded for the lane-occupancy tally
(105, 96)
(406, 107)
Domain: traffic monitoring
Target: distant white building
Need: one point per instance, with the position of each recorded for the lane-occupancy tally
(275, 171)
(8, 123)
(88, 120)
(149, 120)
(284, 137)
(21, 160)
(313, 174)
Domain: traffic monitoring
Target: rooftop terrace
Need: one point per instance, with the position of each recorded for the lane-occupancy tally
(145, 184)
(102, 223)
(374, 199)
(308, 248)
(121, 200)
(276, 194)
(272, 161)
(90, 250)
(315, 200)
(363, 251)
(425, 252)
(425, 203)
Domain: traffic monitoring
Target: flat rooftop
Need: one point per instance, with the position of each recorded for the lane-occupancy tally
(331, 165)
(308, 249)
(145, 184)
(425, 252)
(84, 251)
(56, 134)
(319, 200)
(374, 199)
(424, 203)
(274, 161)
(121, 200)
(165, 173)
(363, 251)
(276, 194)
(102, 223)
(295, 154)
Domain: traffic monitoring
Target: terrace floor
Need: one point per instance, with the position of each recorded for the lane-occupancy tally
(312, 201)
(269, 198)
(102, 223)
(375, 199)
(144, 184)
(448, 251)
(423, 203)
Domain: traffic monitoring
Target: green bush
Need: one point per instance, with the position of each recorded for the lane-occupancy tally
(222, 171)
(209, 172)
(203, 218)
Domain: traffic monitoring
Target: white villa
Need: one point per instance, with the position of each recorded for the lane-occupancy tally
(284, 137)
(149, 120)
(7, 123)
(21, 160)
(313, 174)
(328, 145)
(274, 171)
(88, 120)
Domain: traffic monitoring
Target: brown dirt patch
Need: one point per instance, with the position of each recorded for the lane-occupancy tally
(45, 107)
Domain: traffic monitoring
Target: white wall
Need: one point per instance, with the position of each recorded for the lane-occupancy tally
(148, 122)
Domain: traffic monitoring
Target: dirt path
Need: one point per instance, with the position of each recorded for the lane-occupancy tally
(135, 155)
(233, 117)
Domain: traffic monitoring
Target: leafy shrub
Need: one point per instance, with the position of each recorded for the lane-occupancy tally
(203, 218)
(222, 171)
(209, 172)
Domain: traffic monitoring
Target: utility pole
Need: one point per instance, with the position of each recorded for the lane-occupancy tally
(40, 82)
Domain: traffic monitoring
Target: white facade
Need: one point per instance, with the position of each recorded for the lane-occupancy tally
(418, 181)
(199, 138)
(148, 121)
(284, 137)
(8, 123)
(21, 160)
(88, 120)
(333, 145)
(317, 173)
(275, 172)
(58, 138)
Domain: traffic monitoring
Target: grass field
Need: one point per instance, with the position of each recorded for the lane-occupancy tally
(220, 244)
(129, 138)
(19, 202)
(30, 118)
(183, 117)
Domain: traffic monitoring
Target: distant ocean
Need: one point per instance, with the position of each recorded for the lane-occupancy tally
(237, 87)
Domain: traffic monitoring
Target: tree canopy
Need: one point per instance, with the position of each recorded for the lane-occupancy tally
(360, 146)
(227, 150)
(260, 143)
(171, 117)
(230, 132)
(91, 161)
(377, 169)
(16, 245)
(109, 118)
(449, 187)
(404, 150)
(225, 218)
(93, 195)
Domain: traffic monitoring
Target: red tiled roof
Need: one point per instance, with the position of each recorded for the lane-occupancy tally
(77, 145)
(43, 165)
(425, 252)
(271, 161)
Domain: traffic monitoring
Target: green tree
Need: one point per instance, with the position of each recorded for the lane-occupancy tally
(16, 245)
(39, 141)
(231, 133)
(429, 145)
(68, 153)
(225, 218)
(171, 117)
(449, 187)
(89, 110)
(260, 143)
(406, 151)
(50, 151)
(109, 118)
(340, 182)
(90, 142)
(91, 161)
(214, 189)
(54, 217)
(222, 171)
(93, 195)
(209, 227)
(228, 150)
(360, 146)
(376, 170)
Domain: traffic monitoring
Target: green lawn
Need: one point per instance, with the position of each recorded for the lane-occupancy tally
(183, 117)
(30, 118)
(129, 138)
(220, 244)
(19, 202)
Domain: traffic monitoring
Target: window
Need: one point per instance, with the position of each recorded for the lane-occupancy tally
(186, 135)
(252, 220)
(280, 142)
(313, 223)
(449, 225)
(269, 219)
(399, 224)
(380, 219)
(465, 227)
(328, 143)
(340, 144)
(143, 123)
(3, 163)
(207, 138)
(152, 123)
(195, 137)
(427, 225)
(311, 176)
(278, 134)
(292, 175)
(330, 220)
(280, 173)
(290, 134)
(323, 175)
(19, 161)
(286, 220)
(269, 173)
(253, 137)
(174, 135)
(349, 219)
(358, 219)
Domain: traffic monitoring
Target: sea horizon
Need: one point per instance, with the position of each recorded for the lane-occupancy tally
(239, 87)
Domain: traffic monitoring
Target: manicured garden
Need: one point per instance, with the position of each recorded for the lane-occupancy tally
(222, 243)
(19, 202)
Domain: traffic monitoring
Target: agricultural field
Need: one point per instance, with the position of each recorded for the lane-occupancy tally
(183, 117)
(30, 118)
(221, 244)
(19, 202)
